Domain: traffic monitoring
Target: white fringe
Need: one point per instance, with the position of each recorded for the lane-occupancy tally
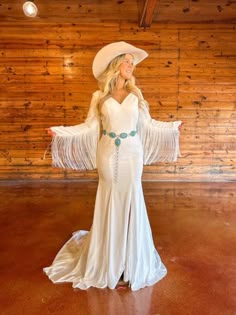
(75, 147)
(160, 140)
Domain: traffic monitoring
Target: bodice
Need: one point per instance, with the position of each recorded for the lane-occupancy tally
(120, 117)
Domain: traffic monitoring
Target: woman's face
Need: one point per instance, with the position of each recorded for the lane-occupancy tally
(127, 67)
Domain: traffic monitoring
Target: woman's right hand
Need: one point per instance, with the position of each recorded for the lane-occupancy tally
(50, 132)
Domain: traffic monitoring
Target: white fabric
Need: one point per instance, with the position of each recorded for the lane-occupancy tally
(120, 240)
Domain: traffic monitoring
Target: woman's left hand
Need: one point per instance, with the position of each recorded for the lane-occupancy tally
(181, 125)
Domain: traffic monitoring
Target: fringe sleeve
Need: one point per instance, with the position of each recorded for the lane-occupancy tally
(160, 140)
(75, 147)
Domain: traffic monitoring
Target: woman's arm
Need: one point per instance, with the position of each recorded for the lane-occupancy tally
(75, 147)
(160, 139)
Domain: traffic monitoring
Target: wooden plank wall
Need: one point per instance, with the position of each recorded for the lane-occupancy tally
(46, 79)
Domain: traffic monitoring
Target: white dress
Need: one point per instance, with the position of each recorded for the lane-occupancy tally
(120, 240)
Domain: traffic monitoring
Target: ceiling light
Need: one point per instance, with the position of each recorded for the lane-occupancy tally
(30, 9)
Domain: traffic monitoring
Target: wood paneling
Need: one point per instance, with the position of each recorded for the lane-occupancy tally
(46, 79)
(195, 11)
(70, 11)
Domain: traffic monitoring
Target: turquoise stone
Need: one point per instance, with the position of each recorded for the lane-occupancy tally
(117, 142)
(133, 133)
(123, 135)
(112, 134)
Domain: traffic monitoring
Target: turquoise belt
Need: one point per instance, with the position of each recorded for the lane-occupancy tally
(122, 135)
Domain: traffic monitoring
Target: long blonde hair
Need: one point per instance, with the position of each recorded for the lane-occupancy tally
(108, 79)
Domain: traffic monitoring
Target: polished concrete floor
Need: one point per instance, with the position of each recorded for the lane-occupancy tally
(194, 229)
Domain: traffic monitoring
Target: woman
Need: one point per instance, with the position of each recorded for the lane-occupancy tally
(117, 138)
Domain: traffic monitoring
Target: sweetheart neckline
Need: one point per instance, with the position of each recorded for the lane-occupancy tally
(120, 103)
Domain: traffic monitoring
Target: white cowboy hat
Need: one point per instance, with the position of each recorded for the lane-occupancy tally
(109, 52)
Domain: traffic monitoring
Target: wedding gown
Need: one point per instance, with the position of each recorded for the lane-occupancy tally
(120, 240)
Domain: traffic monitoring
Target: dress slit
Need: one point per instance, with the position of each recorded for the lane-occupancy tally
(126, 267)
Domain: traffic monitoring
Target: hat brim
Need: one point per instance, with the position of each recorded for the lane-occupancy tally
(109, 52)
